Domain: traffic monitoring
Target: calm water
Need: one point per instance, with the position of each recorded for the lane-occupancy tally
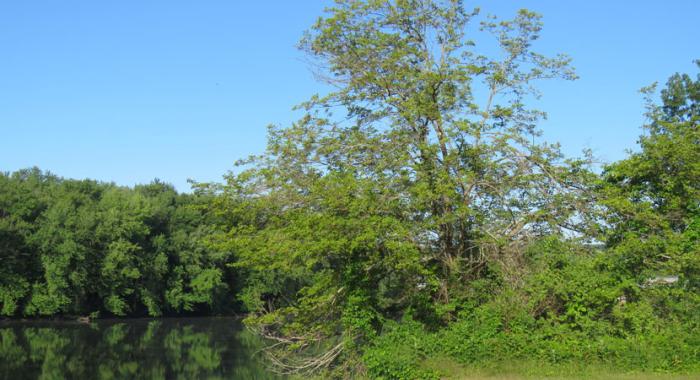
(177, 348)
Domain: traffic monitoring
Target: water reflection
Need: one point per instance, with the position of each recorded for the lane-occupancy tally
(178, 348)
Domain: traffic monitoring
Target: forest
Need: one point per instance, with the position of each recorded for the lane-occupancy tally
(414, 219)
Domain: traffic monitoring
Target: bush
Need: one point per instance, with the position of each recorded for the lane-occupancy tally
(398, 352)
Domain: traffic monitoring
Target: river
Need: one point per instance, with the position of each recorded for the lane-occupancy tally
(168, 348)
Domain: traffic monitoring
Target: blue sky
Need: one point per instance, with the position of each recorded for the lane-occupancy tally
(128, 91)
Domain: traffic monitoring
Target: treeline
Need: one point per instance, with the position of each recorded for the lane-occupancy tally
(72, 247)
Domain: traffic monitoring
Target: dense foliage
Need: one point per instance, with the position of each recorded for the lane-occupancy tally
(78, 247)
(412, 213)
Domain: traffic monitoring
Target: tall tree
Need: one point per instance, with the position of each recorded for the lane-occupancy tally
(428, 178)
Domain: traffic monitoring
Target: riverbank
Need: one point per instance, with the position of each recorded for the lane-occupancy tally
(84, 320)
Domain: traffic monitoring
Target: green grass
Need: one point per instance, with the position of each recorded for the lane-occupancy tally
(450, 369)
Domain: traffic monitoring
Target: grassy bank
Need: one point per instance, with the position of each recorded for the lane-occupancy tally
(521, 370)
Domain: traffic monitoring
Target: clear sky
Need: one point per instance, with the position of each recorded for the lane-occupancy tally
(132, 90)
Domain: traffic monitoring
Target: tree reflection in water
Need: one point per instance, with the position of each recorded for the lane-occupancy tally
(177, 348)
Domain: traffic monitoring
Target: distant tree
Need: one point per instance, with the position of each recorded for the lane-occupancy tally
(22, 200)
(654, 195)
